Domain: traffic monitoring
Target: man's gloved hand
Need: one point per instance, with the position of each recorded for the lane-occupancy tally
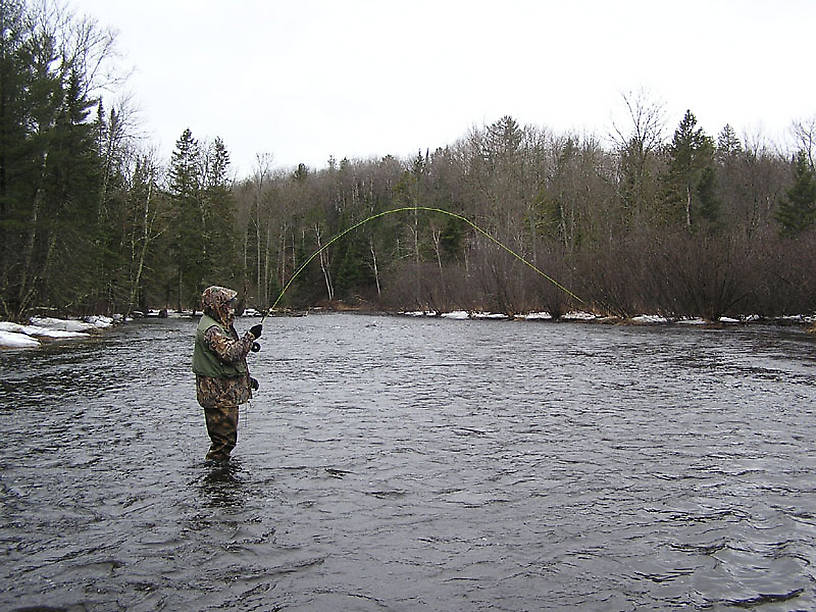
(256, 330)
(253, 383)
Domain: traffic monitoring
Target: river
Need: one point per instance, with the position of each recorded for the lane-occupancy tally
(396, 463)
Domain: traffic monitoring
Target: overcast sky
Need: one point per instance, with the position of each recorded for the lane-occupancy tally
(303, 80)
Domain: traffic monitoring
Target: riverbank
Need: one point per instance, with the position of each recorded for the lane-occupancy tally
(808, 321)
(48, 329)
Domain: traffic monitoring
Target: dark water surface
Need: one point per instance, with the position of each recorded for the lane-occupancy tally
(405, 464)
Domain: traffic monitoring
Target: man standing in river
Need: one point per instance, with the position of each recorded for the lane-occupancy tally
(222, 376)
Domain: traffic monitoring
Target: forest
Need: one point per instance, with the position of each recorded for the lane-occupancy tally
(656, 217)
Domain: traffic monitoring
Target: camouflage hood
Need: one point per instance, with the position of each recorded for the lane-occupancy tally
(215, 302)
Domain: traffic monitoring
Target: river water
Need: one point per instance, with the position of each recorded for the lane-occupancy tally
(392, 463)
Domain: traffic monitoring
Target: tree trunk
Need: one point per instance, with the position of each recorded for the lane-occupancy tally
(258, 250)
(282, 257)
(146, 231)
(28, 253)
(178, 297)
(688, 206)
(267, 274)
(437, 235)
(324, 264)
(374, 264)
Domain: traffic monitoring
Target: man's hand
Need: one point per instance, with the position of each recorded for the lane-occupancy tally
(256, 330)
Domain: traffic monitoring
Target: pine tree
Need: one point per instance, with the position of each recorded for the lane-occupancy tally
(76, 230)
(709, 202)
(14, 77)
(39, 89)
(797, 211)
(690, 155)
(188, 239)
(503, 139)
(728, 144)
(219, 216)
(48, 162)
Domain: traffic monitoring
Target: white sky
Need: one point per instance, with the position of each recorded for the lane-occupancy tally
(306, 79)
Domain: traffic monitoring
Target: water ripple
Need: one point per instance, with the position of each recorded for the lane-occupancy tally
(393, 463)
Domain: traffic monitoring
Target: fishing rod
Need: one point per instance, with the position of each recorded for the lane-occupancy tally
(416, 209)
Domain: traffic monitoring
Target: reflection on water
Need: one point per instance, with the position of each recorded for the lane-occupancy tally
(394, 463)
(222, 486)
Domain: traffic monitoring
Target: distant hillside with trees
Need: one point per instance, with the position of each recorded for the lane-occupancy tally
(662, 220)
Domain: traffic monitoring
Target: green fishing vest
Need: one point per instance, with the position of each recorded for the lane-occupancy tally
(206, 362)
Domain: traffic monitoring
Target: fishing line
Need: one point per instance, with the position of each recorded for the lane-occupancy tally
(415, 209)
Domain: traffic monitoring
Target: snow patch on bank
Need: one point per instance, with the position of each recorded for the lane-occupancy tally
(420, 313)
(578, 315)
(16, 340)
(39, 331)
(642, 319)
(650, 320)
(72, 325)
(488, 315)
(538, 316)
(14, 335)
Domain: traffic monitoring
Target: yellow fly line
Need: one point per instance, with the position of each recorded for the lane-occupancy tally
(426, 209)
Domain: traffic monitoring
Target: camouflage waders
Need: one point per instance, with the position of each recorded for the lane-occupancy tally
(222, 426)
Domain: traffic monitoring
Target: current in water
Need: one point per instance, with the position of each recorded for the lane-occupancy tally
(391, 463)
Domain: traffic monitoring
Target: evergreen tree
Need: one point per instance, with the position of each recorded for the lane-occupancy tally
(452, 238)
(116, 175)
(797, 211)
(503, 139)
(351, 271)
(728, 144)
(48, 162)
(709, 202)
(15, 63)
(690, 155)
(219, 216)
(189, 238)
(75, 231)
(40, 93)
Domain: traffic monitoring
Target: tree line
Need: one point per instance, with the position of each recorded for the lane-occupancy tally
(676, 222)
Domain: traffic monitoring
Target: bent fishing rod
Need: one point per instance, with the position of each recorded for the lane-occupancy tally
(416, 209)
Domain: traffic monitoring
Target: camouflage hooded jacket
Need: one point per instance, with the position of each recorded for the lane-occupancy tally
(229, 348)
